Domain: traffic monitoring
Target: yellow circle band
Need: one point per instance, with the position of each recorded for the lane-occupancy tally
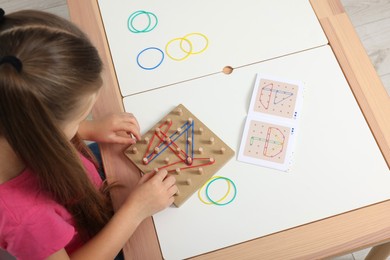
(204, 185)
(195, 34)
(181, 40)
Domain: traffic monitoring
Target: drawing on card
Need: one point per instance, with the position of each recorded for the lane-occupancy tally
(267, 141)
(270, 128)
(276, 98)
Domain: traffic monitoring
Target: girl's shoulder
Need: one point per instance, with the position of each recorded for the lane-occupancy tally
(21, 198)
(29, 218)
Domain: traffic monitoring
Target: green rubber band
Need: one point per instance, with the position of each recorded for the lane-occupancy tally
(130, 22)
(217, 203)
(221, 199)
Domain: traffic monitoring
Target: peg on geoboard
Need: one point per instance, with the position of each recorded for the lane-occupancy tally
(134, 150)
(178, 150)
(212, 160)
(179, 130)
(187, 182)
(190, 120)
(168, 120)
(177, 170)
(222, 150)
(168, 140)
(166, 160)
(200, 130)
(189, 160)
(157, 130)
(211, 140)
(189, 140)
(146, 140)
(200, 171)
(177, 193)
(156, 150)
(145, 160)
(179, 111)
(200, 150)
(155, 170)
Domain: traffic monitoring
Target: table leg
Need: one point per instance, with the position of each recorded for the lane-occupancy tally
(379, 252)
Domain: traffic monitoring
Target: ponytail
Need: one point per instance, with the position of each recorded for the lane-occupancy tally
(56, 69)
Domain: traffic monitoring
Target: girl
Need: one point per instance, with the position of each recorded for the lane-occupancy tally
(50, 203)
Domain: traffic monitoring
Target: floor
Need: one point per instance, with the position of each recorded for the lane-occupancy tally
(371, 19)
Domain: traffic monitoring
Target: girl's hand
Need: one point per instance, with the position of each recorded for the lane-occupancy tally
(114, 128)
(153, 193)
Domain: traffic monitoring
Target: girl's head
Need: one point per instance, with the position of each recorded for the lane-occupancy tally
(59, 66)
(49, 78)
(33, 17)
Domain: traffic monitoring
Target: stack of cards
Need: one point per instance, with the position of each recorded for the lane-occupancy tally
(271, 125)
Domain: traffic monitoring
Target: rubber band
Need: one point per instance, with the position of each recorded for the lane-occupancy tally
(187, 54)
(204, 185)
(187, 142)
(197, 52)
(130, 22)
(192, 140)
(147, 49)
(217, 202)
(150, 155)
(148, 28)
(173, 143)
(162, 136)
(192, 166)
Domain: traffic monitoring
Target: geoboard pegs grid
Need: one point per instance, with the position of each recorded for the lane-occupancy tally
(181, 144)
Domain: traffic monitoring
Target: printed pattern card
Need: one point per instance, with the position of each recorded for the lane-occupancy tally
(271, 126)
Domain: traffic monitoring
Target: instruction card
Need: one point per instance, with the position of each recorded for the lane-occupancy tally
(271, 125)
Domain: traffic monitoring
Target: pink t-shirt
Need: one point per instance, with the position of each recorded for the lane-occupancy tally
(32, 225)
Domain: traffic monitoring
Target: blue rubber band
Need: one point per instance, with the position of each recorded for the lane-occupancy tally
(217, 203)
(150, 48)
(192, 139)
(166, 146)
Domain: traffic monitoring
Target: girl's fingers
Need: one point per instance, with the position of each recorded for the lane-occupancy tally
(169, 181)
(130, 118)
(172, 190)
(170, 201)
(161, 175)
(146, 177)
(122, 139)
(130, 128)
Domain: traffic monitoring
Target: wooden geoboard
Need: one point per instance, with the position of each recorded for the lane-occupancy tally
(181, 144)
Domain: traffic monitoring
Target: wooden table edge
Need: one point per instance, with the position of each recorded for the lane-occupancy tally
(358, 70)
(347, 232)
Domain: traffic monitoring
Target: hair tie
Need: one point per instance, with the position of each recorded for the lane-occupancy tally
(2, 13)
(14, 61)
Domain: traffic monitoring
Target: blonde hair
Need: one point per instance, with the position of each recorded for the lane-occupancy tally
(59, 67)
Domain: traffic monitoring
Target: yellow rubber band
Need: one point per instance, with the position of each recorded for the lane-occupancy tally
(221, 199)
(197, 52)
(181, 40)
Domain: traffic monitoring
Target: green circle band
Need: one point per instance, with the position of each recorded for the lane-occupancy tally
(133, 16)
(215, 202)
